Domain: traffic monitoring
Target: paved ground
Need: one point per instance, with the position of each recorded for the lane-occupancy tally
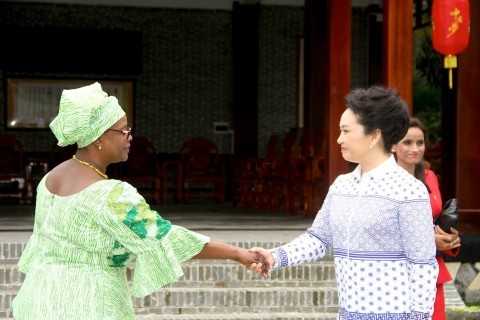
(219, 222)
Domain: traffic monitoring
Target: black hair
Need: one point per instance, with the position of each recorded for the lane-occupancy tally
(380, 108)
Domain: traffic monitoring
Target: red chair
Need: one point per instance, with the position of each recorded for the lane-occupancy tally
(305, 177)
(202, 171)
(244, 177)
(143, 171)
(271, 181)
(13, 184)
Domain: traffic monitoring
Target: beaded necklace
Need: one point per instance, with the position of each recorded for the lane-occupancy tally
(100, 173)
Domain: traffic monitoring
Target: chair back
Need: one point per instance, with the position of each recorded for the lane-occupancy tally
(199, 156)
(142, 158)
(11, 161)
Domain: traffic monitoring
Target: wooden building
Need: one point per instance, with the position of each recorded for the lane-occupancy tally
(326, 77)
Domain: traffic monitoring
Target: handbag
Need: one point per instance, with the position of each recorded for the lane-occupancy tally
(449, 216)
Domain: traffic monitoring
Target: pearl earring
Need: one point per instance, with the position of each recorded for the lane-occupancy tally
(99, 147)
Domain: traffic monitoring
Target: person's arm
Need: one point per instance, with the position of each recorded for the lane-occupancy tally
(435, 195)
(159, 247)
(220, 250)
(416, 231)
(446, 241)
(308, 247)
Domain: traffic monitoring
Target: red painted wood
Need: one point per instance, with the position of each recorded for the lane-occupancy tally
(340, 16)
(398, 47)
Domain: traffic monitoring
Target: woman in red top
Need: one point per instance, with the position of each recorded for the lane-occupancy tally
(409, 153)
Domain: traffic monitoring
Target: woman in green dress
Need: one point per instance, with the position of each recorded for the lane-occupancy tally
(88, 227)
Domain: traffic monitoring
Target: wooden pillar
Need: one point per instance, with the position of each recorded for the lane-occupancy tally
(245, 78)
(327, 76)
(398, 47)
(340, 53)
(468, 118)
(315, 66)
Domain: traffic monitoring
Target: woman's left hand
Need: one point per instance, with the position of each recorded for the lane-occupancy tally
(446, 241)
(247, 258)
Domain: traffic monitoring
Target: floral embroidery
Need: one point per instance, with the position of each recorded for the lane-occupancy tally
(120, 256)
(133, 211)
(139, 218)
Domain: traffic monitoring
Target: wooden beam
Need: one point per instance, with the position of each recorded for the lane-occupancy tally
(398, 47)
(468, 118)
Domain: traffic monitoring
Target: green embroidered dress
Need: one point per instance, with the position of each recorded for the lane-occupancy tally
(75, 261)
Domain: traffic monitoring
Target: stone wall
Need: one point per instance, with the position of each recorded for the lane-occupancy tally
(186, 83)
(186, 80)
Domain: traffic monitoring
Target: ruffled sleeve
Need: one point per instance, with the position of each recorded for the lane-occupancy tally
(159, 246)
(29, 255)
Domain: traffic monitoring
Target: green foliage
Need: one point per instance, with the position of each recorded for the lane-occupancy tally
(428, 62)
(426, 85)
(427, 107)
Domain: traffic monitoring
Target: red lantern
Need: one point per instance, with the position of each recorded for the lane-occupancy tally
(451, 30)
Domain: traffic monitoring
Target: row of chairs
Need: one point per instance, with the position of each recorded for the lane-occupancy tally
(287, 179)
(13, 172)
(196, 169)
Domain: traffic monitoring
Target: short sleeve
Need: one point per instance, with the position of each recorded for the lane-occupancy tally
(159, 246)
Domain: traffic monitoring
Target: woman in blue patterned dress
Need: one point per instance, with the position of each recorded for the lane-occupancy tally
(375, 219)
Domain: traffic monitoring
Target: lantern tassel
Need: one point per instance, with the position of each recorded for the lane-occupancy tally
(450, 78)
(449, 63)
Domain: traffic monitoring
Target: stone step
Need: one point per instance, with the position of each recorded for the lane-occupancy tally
(238, 284)
(226, 300)
(244, 316)
(452, 297)
(232, 316)
(216, 273)
(11, 251)
(283, 298)
(227, 313)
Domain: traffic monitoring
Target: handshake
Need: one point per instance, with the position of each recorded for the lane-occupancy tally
(258, 260)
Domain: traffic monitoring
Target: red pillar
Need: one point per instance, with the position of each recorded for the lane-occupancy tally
(398, 47)
(340, 52)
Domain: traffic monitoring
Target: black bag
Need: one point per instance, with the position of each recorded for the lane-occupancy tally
(449, 216)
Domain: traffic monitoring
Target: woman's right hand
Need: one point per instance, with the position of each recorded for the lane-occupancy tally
(447, 241)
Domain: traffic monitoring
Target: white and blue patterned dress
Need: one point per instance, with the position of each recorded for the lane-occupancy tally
(379, 226)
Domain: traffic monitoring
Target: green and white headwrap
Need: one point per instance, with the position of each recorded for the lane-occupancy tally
(84, 115)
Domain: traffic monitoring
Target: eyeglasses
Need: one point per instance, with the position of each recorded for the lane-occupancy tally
(126, 132)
